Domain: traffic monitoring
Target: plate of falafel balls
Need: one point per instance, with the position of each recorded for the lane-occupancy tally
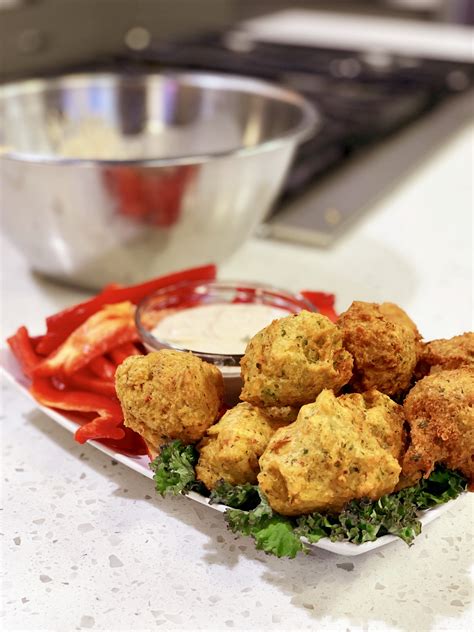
(347, 436)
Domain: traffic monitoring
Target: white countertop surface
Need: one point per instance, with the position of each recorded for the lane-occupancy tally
(88, 544)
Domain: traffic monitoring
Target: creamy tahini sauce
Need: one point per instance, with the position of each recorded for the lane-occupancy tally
(218, 328)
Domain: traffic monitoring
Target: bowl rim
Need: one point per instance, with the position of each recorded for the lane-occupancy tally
(309, 122)
(220, 359)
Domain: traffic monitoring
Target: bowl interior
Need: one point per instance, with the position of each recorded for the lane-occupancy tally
(152, 116)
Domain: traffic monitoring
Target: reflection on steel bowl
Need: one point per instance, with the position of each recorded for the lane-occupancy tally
(150, 197)
(111, 177)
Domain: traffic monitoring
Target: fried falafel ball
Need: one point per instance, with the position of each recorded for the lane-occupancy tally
(384, 351)
(289, 362)
(439, 410)
(231, 448)
(169, 395)
(338, 449)
(397, 315)
(446, 354)
(390, 434)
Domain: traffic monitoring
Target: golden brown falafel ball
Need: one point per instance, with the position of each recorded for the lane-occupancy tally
(384, 352)
(339, 449)
(446, 354)
(231, 448)
(292, 360)
(391, 433)
(439, 410)
(395, 314)
(169, 395)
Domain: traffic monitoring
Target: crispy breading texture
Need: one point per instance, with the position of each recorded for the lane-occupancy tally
(394, 313)
(169, 395)
(446, 354)
(231, 448)
(292, 360)
(338, 449)
(282, 416)
(384, 351)
(440, 413)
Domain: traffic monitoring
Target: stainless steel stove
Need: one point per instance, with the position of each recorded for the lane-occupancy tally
(382, 112)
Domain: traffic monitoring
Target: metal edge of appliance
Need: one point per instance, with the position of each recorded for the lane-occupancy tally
(324, 211)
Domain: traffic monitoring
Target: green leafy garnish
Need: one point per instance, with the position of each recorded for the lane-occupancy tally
(396, 514)
(441, 486)
(238, 496)
(272, 533)
(174, 468)
(360, 521)
(364, 521)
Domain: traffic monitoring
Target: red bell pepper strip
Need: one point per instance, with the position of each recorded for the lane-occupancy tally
(22, 347)
(132, 443)
(36, 341)
(81, 401)
(60, 325)
(87, 382)
(111, 286)
(45, 393)
(108, 423)
(119, 354)
(102, 367)
(100, 428)
(323, 302)
(111, 326)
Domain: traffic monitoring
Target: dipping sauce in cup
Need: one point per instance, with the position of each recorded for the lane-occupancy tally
(215, 320)
(222, 328)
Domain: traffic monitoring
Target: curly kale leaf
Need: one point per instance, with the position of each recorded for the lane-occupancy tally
(440, 487)
(272, 533)
(238, 496)
(396, 514)
(360, 521)
(174, 468)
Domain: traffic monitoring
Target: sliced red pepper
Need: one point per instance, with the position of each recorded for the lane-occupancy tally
(100, 428)
(119, 354)
(88, 382)
(81, 401)
(36, 342)
(323, 301)
(60, 325)
(111, 326)
(106, 425)
(111, 286)
(132, 443)
(102, 367)
(136, 293)
(22, 347)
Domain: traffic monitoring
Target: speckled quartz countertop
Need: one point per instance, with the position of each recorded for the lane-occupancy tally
(88, 545)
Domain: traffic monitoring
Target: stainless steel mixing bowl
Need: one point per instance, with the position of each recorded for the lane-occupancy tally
(109, 177)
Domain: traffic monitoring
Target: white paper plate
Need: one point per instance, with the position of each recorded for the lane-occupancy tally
(140, 464)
